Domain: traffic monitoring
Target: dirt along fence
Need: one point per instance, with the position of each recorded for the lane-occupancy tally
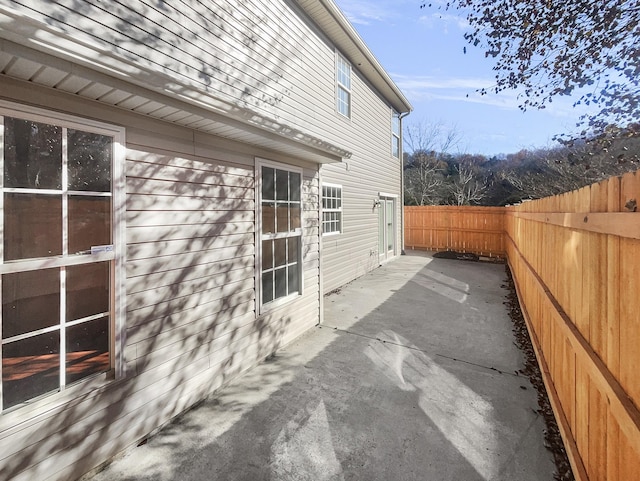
(575, 259)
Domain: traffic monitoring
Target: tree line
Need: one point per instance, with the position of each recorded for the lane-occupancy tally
(436, 176)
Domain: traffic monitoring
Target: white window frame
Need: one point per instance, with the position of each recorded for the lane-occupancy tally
(337, 210)
(117, 306)
(395, 134)
(343, 66)
(261, 307)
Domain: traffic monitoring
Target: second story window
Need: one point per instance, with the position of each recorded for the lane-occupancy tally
(395, 135)
(343, 86)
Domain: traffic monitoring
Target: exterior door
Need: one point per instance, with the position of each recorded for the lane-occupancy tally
(386, 228)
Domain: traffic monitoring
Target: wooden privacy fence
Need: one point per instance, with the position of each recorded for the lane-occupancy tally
(464, 229)
(575, 259)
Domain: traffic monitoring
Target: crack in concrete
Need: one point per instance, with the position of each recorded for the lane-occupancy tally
(451, 358)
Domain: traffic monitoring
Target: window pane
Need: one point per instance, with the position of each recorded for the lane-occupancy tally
(344, 73)
(295, 216)
(87, 290)
(294, 283)
(32, 226)
(343, 102)
(395, 124)
(280, 251)
(87, 349)
(267, 255)
(89, 161)
(268, 218)
(294, 186)
(281, 282)
(282, 215)
(282, 185)
(89, 222)
(268, 183)
(292, 248)
(267, 287)
(395, 150)
(30, 367)
(30, 301)
(32, 154)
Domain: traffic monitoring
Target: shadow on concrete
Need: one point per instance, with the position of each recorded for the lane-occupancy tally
(413, 375)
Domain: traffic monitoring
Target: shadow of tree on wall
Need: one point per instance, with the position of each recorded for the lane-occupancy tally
(190, 321)
(190, 304)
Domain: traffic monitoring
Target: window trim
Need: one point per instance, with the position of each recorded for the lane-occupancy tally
(341, 87)
(339, 210)
(117, 327)
(395, 136)
(262, 308)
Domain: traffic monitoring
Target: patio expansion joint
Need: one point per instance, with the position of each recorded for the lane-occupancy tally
(413, 348)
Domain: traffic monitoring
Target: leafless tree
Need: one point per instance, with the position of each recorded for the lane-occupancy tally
(427, 144)
(423, 182)
(551, 171)
(424, 136)
(468, 188)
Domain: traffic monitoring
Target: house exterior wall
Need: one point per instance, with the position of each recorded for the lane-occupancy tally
(190, 322)
(371, 170)
(246, 58)
(203, 91)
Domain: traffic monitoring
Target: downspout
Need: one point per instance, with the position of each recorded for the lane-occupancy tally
(320, 253)
(400, 117)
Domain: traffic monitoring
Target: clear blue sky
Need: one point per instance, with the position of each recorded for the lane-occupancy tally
(422, 50)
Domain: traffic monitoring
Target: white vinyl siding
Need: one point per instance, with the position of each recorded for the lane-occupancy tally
(61, 272)
(343, 86)
(255, 55)
(370, 170)
(241, 57)
(331, 209)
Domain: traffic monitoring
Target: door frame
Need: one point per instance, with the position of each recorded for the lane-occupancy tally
(384, 199)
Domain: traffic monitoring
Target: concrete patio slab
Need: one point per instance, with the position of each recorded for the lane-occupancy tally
(413, 375)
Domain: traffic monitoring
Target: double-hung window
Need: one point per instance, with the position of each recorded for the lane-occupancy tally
(57, 256)
(280, 233)
(331, 209)
(343, 86)
(395, 135)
